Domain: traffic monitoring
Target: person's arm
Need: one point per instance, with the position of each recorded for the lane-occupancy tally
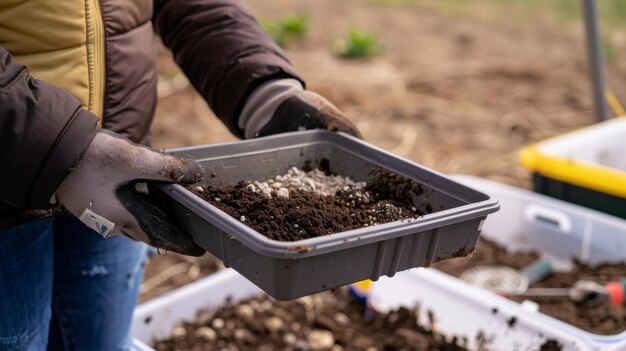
(50, 145)
(43, 131)
(222, 50)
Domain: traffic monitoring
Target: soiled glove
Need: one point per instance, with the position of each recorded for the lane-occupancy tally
(101, 192)
(282, 105)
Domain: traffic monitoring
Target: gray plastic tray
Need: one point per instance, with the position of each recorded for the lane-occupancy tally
(288, 270)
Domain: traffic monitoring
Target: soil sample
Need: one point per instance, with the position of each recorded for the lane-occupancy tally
(326, 321)
(604, 319)
(301, 205)
(551, 345)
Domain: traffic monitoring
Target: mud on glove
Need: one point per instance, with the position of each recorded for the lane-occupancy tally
(282, 105)
(101, 192)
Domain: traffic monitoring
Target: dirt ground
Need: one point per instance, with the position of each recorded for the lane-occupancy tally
(459, 95)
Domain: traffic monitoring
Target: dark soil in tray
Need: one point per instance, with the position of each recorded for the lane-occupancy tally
(604, 319)
(327, 321)
(387, 197)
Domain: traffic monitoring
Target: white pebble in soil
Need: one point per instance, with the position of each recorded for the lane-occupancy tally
(179, 332)
(274, 324)
(341, 318)
(320, 339)
(206, 333)
(289, 339)
(245, 311)
(296, 179)
(218, 323)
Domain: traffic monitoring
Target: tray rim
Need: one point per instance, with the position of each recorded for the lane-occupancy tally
(332, 242)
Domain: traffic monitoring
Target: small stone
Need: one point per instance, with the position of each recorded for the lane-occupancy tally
(336, 348)
(341, 318)
(256, 305)
(243, 334)
(218, 323)
(301, 345)
(199, 189)
(245, 311)
(282, 192)
(179, 332)
(277, 185)
(289, 339)
(413, 209)
(274, 324)
(242, 218)
(217, 199)
(296, 225)
(206, 333)
(267, 305)
(320, 339)
(362, 342)
(296, 327)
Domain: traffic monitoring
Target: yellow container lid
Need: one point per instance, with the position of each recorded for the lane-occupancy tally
(593, 157)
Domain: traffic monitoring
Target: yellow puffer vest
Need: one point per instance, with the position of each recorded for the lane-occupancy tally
(101, 51)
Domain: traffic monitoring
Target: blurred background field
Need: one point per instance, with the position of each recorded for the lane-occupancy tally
(457, 85)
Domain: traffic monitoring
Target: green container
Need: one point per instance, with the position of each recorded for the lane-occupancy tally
(603, 202)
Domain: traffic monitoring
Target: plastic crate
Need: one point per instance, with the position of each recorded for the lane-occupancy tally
(287, 270)
(558, 230)
(585, 167)
(156, 318)
(458, 309)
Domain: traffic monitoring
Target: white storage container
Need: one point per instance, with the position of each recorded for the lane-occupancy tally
(559, 231)
(155, 319)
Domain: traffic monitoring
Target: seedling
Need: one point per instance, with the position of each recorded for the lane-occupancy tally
(287, 28)
(357, 44)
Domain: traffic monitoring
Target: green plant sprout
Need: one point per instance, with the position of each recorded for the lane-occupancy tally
(286, 28)
(357, 44)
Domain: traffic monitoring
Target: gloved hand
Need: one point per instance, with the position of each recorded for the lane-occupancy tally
(283, 105)
(101, 192)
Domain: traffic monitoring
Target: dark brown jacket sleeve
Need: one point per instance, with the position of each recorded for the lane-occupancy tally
(43, 131)
(223, 51)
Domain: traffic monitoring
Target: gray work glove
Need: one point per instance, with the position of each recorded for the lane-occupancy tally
(283, 105)
(101, 192)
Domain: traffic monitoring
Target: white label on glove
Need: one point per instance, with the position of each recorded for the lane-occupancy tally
(96, 222)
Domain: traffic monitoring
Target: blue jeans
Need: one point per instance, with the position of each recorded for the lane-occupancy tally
(64, 287)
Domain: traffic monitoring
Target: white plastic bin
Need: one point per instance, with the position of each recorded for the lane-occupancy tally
(155, 319)
(559, 231)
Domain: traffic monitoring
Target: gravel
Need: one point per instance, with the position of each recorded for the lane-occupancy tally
(314, 181)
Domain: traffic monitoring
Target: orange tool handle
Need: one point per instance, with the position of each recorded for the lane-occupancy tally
(617, 292)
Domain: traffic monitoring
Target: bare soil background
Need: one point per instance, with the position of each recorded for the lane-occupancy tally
(457, 94)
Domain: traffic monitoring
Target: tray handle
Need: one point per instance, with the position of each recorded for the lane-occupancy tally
(548, 216)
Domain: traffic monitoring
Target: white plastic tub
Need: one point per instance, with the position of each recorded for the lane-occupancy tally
(157, 318)
(559, 231)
